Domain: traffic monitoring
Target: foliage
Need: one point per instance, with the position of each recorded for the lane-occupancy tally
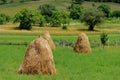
(65, 20)
(47, 10)
(25, 19)
(75, 11)
(92, 17)
(4, 18)
(64, 27)
(59, 18)
(37, 18)
(103, 38)
(105, 9)
(115, 13)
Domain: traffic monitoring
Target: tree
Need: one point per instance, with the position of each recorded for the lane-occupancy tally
(25, 19)
(4, 18)
(65, 20)
(92, 17)
(59, 18)
(37, 18)
(75, 11)
(47, 10)
(105, 9)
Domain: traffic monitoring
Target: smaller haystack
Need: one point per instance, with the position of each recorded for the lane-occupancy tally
(82, 45)
(49, 39)
(38, 58)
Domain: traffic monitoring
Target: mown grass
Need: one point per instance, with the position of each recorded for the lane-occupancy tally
(101, 64)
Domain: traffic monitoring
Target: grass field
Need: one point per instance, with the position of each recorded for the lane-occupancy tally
(101, 64)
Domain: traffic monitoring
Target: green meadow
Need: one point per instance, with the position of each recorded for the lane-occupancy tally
(101, 64)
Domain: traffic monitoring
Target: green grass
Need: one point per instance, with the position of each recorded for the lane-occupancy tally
(56, 37)
(101, 64)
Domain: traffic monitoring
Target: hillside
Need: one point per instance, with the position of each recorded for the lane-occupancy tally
(11, 8)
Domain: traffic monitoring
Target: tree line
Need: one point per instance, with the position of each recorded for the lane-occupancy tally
(116, 1)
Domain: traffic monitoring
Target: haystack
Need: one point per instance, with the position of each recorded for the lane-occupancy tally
(49, 39)
(82, 45)
(38, 58)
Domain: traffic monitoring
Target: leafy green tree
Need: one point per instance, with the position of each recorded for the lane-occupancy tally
(25, 19)
(37, 18)
(59, 18)
(65, 20)
(4, 18)
(105, 9)
(75, 11)
(92, 17)
(47, 10)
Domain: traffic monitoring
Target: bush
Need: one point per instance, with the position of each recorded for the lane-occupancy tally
(115, 14)
(37, 18)
(64, 27)
(58, 19)
(4, 19)
(104, 38)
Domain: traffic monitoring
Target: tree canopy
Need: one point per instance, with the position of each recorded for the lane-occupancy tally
(105, 9)
(92, 17)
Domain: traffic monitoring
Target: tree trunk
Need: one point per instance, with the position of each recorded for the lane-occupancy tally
(91, 27)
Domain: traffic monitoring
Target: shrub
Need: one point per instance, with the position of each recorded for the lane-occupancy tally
(104, 38)
(115, 13)
(64, 27)
(4, 18)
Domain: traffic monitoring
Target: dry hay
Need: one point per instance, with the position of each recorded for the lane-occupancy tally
(38, 58)
(82, 45)
(49, 39)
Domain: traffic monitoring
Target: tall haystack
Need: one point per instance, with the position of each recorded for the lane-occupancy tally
(38, 58)
(49, 39)
(82, 45)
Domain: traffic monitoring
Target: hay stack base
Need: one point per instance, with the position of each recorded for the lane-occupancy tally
(38, 58)
(82, 45)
